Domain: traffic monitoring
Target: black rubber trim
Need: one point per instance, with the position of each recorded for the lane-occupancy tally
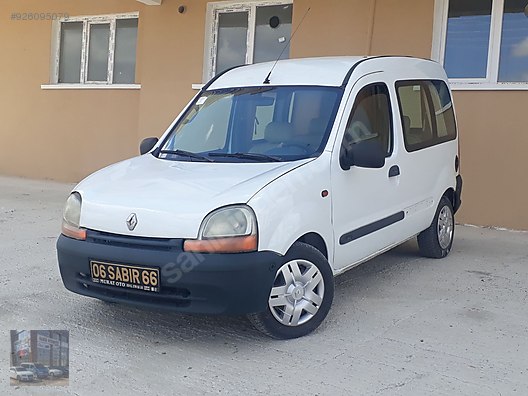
(349, 74)
(370, 228)
(212, 80)
(394, 171)
(105, 238)
(458, 194)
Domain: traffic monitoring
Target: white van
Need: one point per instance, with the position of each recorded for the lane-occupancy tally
(273, 180)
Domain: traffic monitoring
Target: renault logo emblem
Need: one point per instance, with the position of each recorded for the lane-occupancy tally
(131, 222)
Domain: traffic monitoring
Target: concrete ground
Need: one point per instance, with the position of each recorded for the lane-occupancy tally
(400, 324)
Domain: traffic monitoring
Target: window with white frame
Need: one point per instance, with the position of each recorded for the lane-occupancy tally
(483, 41)
(246, 32)
(96, 50)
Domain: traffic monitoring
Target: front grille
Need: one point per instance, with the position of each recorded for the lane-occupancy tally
(159, 244)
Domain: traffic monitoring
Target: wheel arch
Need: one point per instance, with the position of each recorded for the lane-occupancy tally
(450, 194)
(315, 240)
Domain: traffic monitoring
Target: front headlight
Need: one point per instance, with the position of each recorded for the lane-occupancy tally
(231, 229)
(71, 217)
(229, 222)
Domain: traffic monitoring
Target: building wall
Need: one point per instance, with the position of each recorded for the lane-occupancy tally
(493, 142)
(67, 134)
(363, 27)
(171, 60)
(59, 134)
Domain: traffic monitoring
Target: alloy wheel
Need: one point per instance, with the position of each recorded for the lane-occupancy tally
(445, 227)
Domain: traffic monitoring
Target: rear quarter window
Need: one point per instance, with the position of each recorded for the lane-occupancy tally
(427, 114)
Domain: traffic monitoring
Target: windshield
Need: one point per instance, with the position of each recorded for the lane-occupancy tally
(261, 124)
(39, 366)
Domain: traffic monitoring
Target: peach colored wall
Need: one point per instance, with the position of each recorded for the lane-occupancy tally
(171, 61)
(339, 27)
(403, 27)
(75, 132)
(331, 27)
(493, 142)
(67, 134)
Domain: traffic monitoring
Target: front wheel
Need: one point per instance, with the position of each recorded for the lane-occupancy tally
(300, 297)
(437, 240)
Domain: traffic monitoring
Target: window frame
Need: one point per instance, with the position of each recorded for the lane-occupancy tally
(490, 82)
(434, 127)
(211, 29)
(390, 103)
(87, 22)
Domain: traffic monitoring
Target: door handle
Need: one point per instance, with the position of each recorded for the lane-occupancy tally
(394, 171)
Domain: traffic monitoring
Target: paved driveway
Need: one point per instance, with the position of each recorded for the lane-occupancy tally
(400, 324)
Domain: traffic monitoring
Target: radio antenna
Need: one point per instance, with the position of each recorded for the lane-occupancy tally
(267, 80)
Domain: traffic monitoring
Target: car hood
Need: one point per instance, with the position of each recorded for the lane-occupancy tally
(24, 372)
(169, 198)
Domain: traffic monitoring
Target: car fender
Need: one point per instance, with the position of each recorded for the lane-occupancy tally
(297, 203)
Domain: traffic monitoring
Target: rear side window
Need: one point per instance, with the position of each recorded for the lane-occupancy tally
(426, 113)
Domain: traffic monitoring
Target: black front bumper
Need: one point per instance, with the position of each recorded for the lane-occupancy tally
(194, 283)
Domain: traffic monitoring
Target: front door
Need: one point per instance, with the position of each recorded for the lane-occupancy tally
(367, 207)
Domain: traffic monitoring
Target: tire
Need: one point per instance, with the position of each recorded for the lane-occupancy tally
(437, 240)
(305, 284)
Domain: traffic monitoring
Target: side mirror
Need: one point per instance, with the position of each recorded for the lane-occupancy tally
(365, 154)
(147, 145)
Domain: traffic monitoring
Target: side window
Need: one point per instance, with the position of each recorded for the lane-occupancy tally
(416, 115)
(371, 117)
(443, 110)
(426, 113)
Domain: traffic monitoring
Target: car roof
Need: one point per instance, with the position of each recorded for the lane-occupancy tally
(322, 71)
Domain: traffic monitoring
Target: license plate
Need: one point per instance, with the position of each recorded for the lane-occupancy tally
(126, 276)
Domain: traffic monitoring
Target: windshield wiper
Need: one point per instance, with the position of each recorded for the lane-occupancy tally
(187, 154)
(250, 156)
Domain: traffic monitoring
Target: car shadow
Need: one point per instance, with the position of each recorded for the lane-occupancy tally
(161, 327)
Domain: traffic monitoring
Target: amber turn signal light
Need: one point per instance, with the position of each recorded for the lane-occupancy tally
(222, 245)
(73, 232)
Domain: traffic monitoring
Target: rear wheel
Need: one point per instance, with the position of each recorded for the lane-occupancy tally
(437, 240)
(300, 297)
